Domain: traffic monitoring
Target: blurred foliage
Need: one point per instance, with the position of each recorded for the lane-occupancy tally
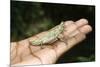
(27, 19)
(30, 18)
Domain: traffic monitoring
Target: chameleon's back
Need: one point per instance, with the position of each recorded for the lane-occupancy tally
(53, 33)
(50, 35)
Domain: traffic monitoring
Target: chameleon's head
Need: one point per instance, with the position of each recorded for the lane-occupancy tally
(62, 23)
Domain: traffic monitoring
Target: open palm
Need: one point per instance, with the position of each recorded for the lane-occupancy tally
(23, 53)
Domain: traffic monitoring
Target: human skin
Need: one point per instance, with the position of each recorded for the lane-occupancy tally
(23, 53)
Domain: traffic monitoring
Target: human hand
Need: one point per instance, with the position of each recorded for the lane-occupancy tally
(23, 53)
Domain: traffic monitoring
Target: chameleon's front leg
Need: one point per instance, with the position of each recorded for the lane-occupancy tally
(62, 38)
(41, 45)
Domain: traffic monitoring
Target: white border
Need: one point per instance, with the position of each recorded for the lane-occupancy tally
(82, 2)
(5, 32)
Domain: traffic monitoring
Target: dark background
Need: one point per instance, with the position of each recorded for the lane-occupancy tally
(30, 18)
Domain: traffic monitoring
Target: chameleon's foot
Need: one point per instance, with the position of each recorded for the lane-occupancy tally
(63, 40)
(42, 47)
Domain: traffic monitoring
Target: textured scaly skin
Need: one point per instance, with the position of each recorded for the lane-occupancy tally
(51, 35)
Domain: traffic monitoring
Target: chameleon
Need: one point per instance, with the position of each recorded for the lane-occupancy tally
(51, 35)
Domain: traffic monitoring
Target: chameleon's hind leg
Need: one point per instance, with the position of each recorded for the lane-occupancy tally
(41, 45)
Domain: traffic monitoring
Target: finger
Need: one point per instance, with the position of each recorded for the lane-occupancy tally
(70, 31)
(62, 47)
(85, 29)
(81, 22)
(66, 23)
(78, 23)
(72, 34)
(72, 26)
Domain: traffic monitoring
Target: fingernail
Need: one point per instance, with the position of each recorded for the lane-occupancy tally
(81, 22)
